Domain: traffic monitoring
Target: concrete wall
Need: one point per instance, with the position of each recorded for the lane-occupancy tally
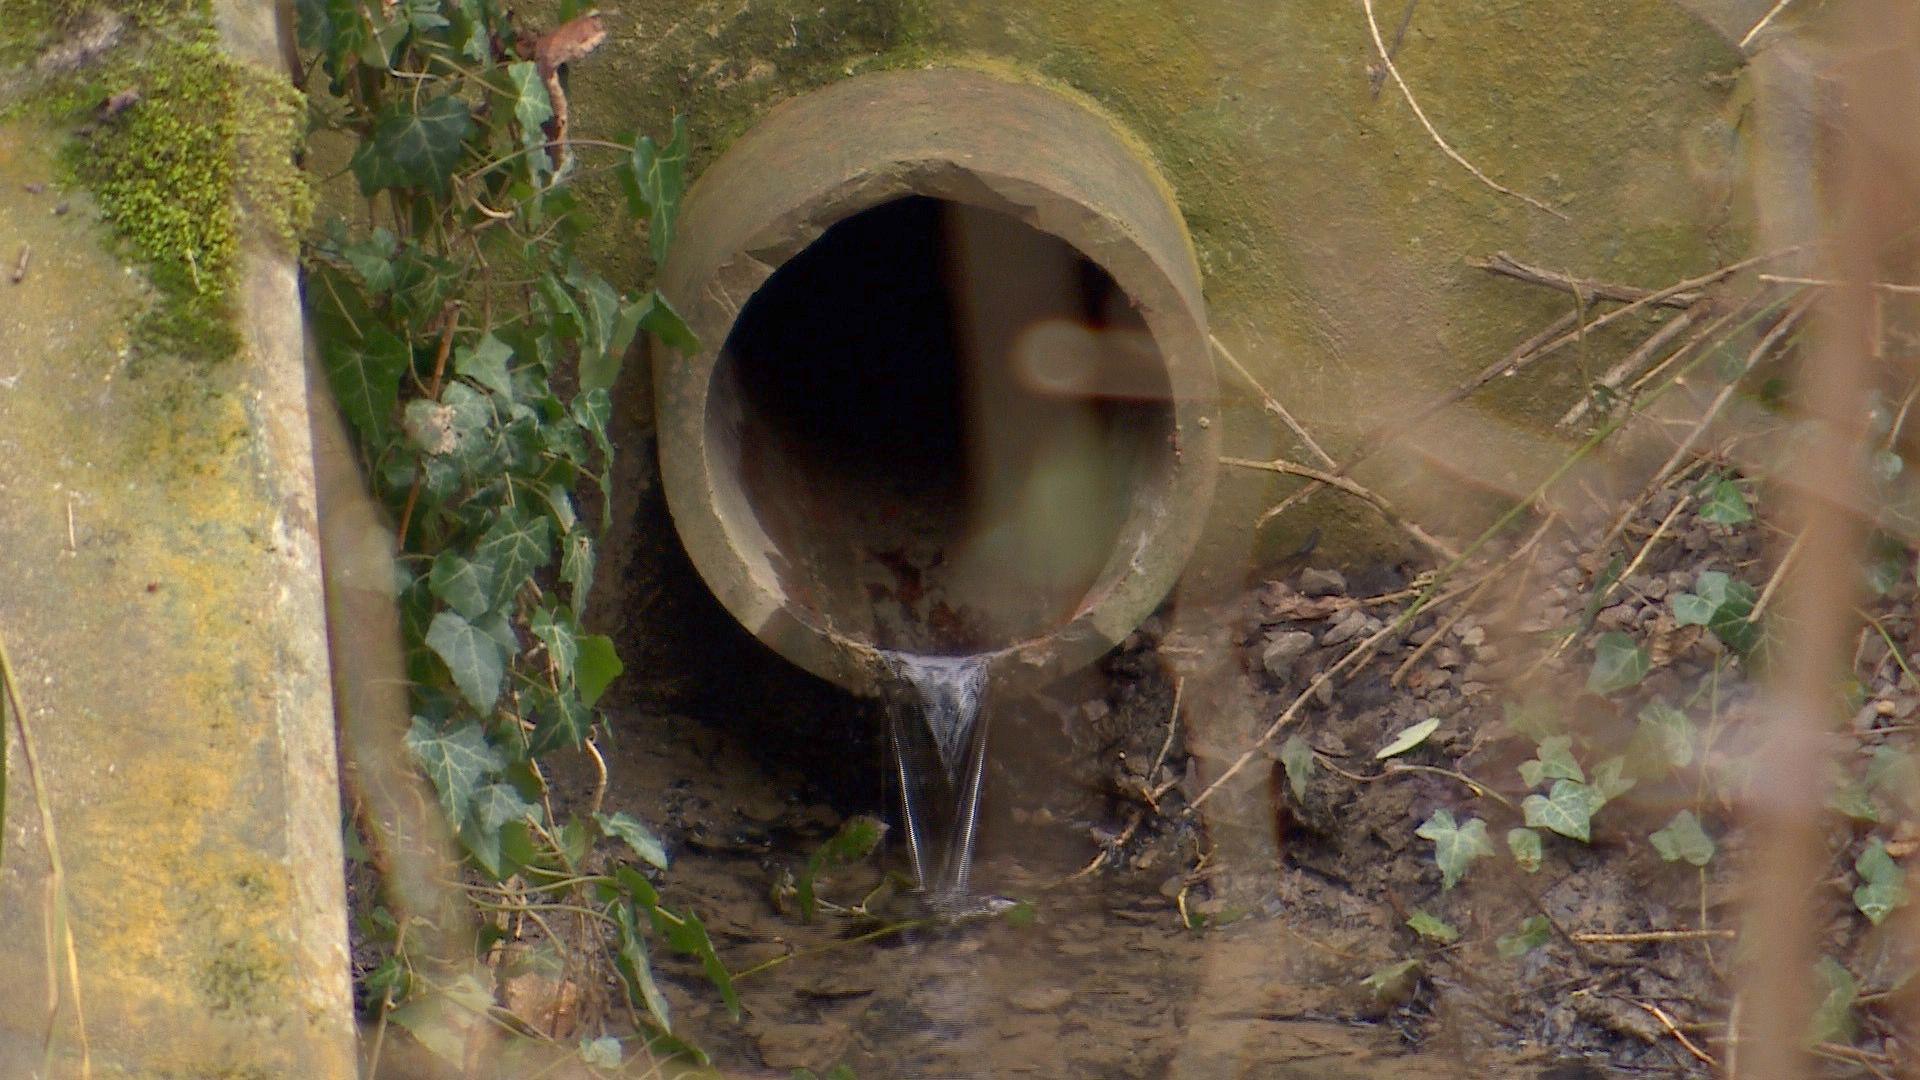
(160, 594)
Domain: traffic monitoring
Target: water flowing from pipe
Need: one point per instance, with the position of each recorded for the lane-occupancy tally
(938, 735)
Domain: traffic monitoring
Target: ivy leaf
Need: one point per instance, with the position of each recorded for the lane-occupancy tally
(1554, 761)
(1409, 738)
(558, 631)
(1610, 780)
(1525, 846)
(685, 932)
(1690, 609)
(532, 107)
(564, 720)
(855, 840)
(486, 364)
(1731, 618)
(1454, 846)
(1833, 1017)
(515, 546)
(1296, 757)
(622, 826)
(365, 378)
(1533, 933)
(456, 761)
(1725, 505)
(1884, 885)
(467, 587)
(1567, 809)
(474, 657)
(1432, 929)
(636, 969)
(576, 566)
(1853, 799)
(496, 804)
(372, 258)
(654, 178)
(1712, 586)
(1663, 741)
(1683, 838)
(1618, 663)
(414, 147)
(1391, 984)
(599, 666)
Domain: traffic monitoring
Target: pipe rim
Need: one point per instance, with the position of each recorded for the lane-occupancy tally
(931, 133)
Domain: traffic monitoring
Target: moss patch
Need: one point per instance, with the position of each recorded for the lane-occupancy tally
(188, 151)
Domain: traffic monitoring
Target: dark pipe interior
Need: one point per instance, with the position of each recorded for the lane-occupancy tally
(875, 428)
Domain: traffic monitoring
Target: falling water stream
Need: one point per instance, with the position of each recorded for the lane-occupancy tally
(938, 734)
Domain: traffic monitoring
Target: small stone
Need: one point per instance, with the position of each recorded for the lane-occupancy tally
(1444, 657)
(1323, 693)
(1041, 999)
(764, 808)
(822, 1039)
(34, 188)
(1884, 707)
(1616, 617)
(1473, 637)
(1316, 582)
(1283, 650)
(1350, 626)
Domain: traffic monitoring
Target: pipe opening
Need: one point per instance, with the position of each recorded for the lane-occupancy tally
(941, 422)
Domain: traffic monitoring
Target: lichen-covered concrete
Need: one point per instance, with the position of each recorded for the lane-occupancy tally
(160, 595)
(1332, 232)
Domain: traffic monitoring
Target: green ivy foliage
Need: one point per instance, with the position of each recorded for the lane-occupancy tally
(473, 354)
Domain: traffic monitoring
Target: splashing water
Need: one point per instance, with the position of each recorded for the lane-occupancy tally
(939, 742)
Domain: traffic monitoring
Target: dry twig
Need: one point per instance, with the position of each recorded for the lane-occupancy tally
(1393, 72)
(1776, 9)
(1667, 1022)
(1506, 265)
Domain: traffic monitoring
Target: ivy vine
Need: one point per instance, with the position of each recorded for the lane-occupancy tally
(473, 354)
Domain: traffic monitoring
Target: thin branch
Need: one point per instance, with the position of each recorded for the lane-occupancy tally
(1507, 266)
(1386, 59)
(1823, 283)
(1672, 1029)
(1272, 403)
(1762, 24)
(1288, 468)
(1618, 373)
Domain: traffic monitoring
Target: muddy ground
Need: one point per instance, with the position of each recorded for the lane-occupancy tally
(1262, 928)
(1238, 939)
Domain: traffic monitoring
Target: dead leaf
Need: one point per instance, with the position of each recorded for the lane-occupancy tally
(568, 42)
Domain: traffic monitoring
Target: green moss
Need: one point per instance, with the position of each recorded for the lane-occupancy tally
(195, 165)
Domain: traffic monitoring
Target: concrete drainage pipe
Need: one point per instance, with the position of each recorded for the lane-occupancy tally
(954, 393)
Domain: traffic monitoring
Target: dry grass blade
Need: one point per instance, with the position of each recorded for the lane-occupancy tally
(1393, 72)
(60, 929)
